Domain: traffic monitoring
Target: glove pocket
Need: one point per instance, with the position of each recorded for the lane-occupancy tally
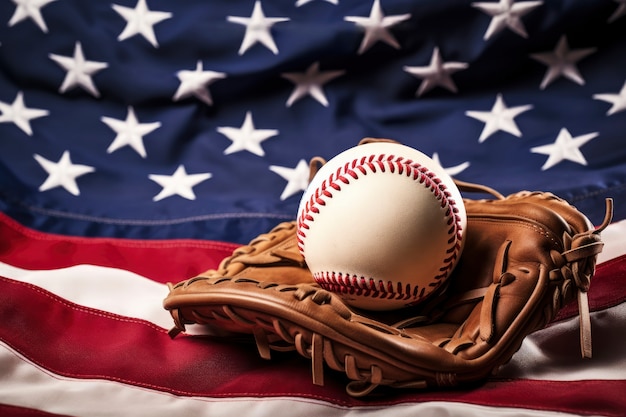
(511, 308)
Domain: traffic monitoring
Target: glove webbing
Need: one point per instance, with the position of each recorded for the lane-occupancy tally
(585, 247)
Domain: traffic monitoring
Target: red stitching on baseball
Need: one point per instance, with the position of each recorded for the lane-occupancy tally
(339, 282)
(368, 287)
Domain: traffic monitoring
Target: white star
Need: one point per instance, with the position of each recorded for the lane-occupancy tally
(179, 183)
(62, 173)
(196, 83)
(30, 8)
(257, 29)
(303, 2)
(562, 62)
(79, 70)
(451, 171)
(500, 117)
(619, 11)
(246, 138)
(506, 13)
(129, 132)
(565, 147)
(310, 82)
(297, 178)
(437, 73)
(618, 100)
(140, 21)
(18, 113)
(377, 27)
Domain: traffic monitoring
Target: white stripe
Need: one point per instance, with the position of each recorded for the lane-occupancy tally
(24, 384)
(554, 352)
(614, 238)
(108, 289)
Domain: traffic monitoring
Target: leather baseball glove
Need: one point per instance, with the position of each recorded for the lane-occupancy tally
(525, 256)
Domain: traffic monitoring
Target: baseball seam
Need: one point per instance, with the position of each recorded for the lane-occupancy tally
(352, 171)
(369, 287)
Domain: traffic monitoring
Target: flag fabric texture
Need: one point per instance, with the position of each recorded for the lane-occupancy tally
(83, 334)
(141, 141)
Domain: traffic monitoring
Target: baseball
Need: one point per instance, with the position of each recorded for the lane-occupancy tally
(382, 225)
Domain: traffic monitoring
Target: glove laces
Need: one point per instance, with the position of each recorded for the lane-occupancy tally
(578, 266)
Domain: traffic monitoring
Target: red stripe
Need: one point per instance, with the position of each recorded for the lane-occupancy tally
(138, 353)
(589, 397)
(80, 342)
(608, 288)
(160, 260)
(15, 411)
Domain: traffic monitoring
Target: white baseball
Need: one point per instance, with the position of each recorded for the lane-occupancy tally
(382, 225)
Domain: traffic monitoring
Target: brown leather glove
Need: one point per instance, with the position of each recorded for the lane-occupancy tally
(525, 256)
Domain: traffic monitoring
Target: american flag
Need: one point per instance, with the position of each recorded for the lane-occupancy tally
(143, 140)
